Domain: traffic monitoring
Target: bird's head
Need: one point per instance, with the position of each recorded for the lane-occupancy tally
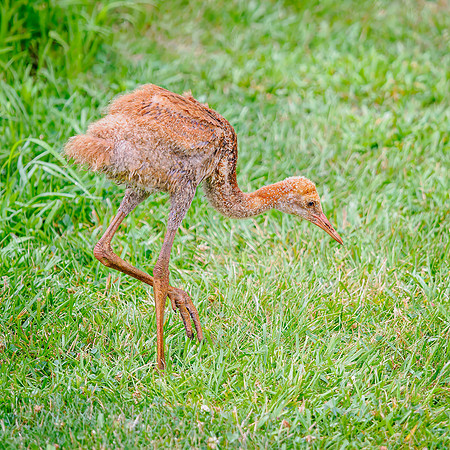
(298, 196)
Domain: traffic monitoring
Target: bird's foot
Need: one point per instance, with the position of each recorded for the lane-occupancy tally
(181, 300)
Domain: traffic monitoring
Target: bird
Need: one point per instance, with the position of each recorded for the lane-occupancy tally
(153, 140)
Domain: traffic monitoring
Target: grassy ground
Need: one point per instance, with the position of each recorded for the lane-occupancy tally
(308, 344)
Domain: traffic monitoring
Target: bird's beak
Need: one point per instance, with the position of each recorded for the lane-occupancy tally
(321, 221)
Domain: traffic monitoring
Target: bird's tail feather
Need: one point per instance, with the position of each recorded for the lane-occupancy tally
(89, 150)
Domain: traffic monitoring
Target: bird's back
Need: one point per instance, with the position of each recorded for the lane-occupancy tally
(154, 139)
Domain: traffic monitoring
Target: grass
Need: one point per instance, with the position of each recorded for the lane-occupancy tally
(308, 344)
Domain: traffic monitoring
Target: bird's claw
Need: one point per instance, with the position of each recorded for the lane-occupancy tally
(181, 300)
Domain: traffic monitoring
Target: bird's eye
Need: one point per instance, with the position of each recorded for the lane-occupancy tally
(311, 204)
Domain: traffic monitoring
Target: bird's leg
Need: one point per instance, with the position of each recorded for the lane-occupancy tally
(160, 291)
(104, 253)
(179, 205)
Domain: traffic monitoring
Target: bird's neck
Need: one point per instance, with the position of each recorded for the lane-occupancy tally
(225, 196)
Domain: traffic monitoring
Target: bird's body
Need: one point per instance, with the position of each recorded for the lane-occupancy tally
(155, 140)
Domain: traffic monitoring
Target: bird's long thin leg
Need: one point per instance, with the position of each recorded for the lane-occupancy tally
(104, 253)
(160, 291)
(179, 205)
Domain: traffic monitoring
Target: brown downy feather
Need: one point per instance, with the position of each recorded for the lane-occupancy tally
(89, 150)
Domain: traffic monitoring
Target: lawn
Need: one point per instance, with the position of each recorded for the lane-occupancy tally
(308, 344)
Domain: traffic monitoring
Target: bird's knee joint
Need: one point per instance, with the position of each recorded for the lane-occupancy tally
(103, 253)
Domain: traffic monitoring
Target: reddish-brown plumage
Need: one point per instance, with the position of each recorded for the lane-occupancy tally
(155, 140)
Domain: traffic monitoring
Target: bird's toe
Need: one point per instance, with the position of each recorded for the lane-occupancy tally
(182, 301)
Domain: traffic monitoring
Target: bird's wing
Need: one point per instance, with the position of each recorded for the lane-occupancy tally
(180, 122)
